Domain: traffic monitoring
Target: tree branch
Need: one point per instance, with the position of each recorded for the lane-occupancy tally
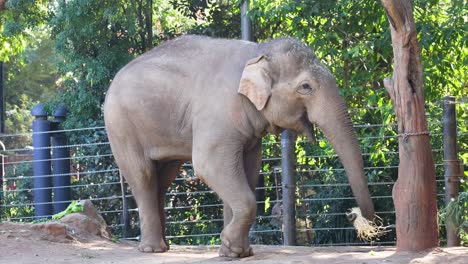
(388, 84)
(394, 13)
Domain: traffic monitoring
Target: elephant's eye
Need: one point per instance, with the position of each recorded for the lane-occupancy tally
(305, 89)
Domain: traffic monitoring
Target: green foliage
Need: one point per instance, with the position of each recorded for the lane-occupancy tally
(16, 22)
(23, 14)
(444, 47)
(31, 73)
(18, 192)
(461, 217)
(214, 18)
(9, 46)
(93, 39)
(18, 119)
(456, 213)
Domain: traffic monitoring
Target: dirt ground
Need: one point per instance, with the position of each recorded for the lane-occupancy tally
(23, 243)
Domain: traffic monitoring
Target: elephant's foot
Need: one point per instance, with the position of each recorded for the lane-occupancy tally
(235, 252)
(150, 246)
(231, 250)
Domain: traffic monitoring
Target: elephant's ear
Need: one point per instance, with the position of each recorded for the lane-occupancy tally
(255, 82)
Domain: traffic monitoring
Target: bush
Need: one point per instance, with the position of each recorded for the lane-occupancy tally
(18, 194)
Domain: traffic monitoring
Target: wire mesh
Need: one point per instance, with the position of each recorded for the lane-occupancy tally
(194, 212)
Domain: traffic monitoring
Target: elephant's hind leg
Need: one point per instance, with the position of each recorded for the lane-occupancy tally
(151, 226)
(166, 174)
(146, 189)
(141, 175)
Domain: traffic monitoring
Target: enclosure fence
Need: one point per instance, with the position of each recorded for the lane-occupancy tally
(194, 213)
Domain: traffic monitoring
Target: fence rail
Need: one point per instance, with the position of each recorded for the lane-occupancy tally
(194, 212)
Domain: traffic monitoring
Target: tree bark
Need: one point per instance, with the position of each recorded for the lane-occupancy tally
(149, 24)
(2, 5)
(141, 23)
(414, 193)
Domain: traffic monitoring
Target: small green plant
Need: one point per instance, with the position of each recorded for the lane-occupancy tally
(73, 207)
(456, 213)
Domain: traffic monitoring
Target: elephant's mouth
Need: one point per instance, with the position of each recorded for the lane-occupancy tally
(307, 128)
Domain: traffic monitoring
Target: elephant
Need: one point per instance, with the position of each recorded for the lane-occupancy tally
(210, 101)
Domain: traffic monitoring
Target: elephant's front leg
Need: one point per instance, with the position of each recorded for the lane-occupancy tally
(222, 169)
(252, 164)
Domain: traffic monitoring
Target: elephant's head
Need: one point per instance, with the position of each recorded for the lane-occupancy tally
(293, 90)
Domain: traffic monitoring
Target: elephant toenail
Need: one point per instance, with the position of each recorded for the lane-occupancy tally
(237, 250)
(148, 250)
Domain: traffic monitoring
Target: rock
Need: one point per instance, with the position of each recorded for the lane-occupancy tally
(86, 224)
(83, 226)
(91, 211)
(55, 232)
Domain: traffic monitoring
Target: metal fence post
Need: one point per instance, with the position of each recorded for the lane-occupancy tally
(451, 162)
(2, 174)
(289, 187)
(246, 34)
(41, 165)
(60, 163)
(246, 25)
(2, 99)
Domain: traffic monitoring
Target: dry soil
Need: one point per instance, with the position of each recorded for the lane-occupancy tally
(23, 243)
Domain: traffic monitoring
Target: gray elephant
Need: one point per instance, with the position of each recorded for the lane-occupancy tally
(211, 101)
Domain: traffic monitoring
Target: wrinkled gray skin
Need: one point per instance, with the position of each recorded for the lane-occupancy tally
(211, 101)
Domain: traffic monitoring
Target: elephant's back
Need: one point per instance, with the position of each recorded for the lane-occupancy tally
(195, 53)
(185, 67)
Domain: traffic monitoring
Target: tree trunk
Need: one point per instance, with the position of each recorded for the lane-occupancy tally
(149, 24)
(2, 5)
(141, 24)
(414, 193)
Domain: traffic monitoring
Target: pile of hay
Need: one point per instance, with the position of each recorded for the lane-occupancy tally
(366, 230)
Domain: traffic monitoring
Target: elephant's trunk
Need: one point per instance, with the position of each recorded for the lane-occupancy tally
(337, 127)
